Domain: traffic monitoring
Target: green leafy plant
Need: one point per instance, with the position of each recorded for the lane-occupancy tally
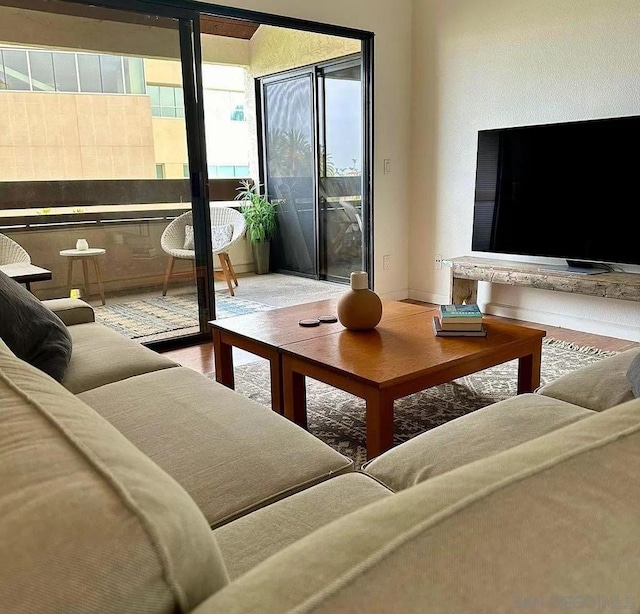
(259, 212)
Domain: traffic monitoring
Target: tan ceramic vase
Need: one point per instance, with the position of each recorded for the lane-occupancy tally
(359, 308)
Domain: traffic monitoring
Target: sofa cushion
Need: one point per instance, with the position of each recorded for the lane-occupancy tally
(249, 540)
(556, 517)
(633, 376)
(101, 356)
(231, 454)
(479, 434)
(33, 332)
(597, 386)
(89, 524)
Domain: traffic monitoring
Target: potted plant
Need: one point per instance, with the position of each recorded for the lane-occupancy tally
(261, 221)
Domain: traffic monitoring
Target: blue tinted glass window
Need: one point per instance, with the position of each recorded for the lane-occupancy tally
(226, 171)
(64, 69)
(42, 79)
(134, 75)
(89, 73)
(111, 74)
(16, 70)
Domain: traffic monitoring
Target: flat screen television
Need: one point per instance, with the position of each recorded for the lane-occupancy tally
(569, 190)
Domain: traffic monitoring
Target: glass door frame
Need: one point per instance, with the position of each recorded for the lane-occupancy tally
(323, 71)
(304, 72)
(190, 11)
(365, 58)
(191, 67)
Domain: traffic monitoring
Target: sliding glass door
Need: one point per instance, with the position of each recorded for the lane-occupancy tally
(290, 170)
(105, 146)
(340, 114)
(313, 121)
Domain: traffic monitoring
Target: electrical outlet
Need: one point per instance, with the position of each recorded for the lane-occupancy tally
(386, 262)
(387, 166)
(438, 261)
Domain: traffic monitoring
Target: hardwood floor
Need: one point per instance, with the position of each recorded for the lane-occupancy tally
(200, 357)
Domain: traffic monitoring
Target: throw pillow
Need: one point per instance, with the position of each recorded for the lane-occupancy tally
(32, 331)
(220, 236)
(633, 376)
(188, 237)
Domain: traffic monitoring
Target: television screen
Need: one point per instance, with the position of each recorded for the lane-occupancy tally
(567, 190)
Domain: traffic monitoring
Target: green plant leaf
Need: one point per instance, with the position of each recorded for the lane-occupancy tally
(260, 214)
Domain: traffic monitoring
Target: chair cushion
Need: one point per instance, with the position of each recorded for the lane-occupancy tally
(32, 331)
(101, 356)
(220, 236)
(231, 454)
(89, 523)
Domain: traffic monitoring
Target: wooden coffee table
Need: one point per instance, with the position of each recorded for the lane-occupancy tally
(399, 357)
(266, 333)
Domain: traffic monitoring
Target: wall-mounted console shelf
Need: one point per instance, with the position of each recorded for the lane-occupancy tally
(467, 271)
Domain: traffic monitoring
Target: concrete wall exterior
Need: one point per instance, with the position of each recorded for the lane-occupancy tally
(75, 136)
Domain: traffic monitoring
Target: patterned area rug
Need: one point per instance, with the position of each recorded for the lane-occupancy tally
(337, 417)
(148, 318)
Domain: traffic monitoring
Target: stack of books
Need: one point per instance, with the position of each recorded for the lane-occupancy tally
(459, 321)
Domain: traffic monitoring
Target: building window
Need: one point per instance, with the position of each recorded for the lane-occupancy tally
(63, 71)
(160, 171)
(15, 70)
(228, 171)
(185, 170)
(166, 101)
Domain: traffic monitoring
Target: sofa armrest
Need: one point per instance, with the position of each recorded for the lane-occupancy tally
(71, 310)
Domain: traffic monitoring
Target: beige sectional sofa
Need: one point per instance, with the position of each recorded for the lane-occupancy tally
(141, 486)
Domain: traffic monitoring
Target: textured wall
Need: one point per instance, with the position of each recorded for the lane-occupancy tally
(273, 50)
(499, 63)
(75, 136)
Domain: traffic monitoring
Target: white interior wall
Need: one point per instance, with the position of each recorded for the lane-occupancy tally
(496, 63)
(391, 23)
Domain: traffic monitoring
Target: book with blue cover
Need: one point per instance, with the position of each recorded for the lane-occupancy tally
(440, 332)
(460, 311)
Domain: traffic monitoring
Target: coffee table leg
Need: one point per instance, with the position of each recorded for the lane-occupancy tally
(223, 360)
(529, 371)
(294, 393)
(275, 366)
(379, 423)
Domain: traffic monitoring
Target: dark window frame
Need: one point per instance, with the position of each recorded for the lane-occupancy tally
(191, 11)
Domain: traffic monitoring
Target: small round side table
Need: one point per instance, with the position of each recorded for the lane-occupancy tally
(84, 255)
